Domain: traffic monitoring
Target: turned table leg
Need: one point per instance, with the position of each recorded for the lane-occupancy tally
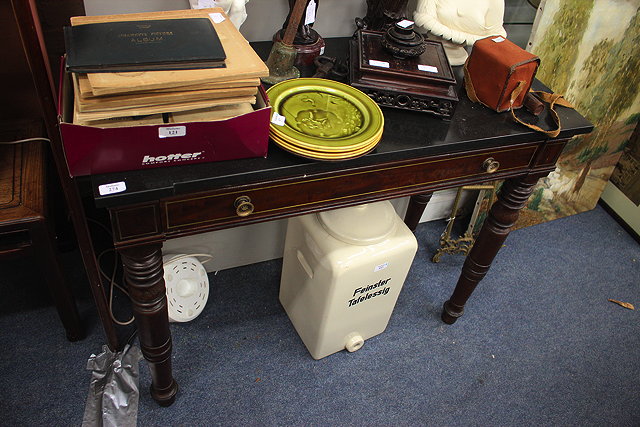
(144, 277)
(416, 207)
(513, 196)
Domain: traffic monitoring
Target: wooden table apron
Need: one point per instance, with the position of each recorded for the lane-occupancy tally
(206, 211)
(139, 230)
(417, 155)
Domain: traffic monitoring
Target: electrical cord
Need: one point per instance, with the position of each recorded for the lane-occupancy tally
(113, 284)
(111, 278)
(20, 141)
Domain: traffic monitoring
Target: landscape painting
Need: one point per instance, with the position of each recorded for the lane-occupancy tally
(589, 51)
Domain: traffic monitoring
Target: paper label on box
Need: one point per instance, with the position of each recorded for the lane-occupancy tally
(217, 17)
(115, 187)
(375, 63)
(310, 16)
(277, 119)
(405, 23)
(381, 267)
(429, 68)
(171, 131)
(498, 39)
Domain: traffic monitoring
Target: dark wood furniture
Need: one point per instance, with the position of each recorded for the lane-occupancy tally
(418, 154)
(41, 67)
(25, 226)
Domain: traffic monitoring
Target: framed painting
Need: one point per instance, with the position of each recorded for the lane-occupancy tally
(589, 53)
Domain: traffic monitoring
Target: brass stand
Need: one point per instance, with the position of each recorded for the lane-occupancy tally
(464, 243)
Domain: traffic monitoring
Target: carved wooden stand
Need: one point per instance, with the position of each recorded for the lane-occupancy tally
(381, 14)
(401, 83)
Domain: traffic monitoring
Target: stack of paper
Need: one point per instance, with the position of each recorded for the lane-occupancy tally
(171, 96)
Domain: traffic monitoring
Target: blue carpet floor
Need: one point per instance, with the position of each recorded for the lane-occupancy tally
(539, 344)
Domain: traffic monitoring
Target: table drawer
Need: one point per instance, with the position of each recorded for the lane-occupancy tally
(303, 194)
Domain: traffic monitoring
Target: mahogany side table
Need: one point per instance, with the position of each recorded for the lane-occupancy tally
(418, 154)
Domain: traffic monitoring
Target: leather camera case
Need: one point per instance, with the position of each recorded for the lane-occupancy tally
(497, 67)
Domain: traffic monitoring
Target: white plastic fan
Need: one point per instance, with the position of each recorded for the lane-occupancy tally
(187, 287)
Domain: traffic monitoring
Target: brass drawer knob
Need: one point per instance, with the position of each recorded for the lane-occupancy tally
(243, 206)
(490, 165)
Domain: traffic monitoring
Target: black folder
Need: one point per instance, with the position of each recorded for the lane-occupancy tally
(164, 44)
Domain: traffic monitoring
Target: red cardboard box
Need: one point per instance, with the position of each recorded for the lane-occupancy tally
(93, 150)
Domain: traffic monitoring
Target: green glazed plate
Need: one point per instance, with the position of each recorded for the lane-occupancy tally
(324, 115)
(322, 155)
